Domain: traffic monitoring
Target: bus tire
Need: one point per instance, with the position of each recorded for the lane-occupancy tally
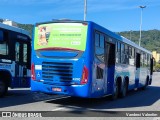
(124, 90)
(146, 84)
(114, 96)
(3, 88)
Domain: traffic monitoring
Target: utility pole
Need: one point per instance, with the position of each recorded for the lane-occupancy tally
(85, 9)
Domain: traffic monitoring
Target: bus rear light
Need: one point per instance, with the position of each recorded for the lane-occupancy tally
(84, 75)
(33, 72)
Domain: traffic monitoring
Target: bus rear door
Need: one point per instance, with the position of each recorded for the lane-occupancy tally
(110, 66)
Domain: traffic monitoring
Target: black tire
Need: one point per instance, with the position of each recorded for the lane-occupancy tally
(146, 84)
(124, 90)
(3, 88)
(114, 96)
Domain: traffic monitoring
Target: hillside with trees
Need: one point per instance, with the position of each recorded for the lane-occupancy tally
(150, 39)
(28, 27)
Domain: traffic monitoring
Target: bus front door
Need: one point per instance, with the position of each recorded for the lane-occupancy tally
(22, 78)
(109, 67)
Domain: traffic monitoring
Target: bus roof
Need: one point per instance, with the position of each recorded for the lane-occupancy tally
(13, 28)
(62, 21)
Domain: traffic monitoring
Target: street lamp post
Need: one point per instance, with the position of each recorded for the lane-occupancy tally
(85, 9)
(142, 7)
(130, 34)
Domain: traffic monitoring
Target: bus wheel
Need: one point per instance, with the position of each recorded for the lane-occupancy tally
(124, 90)
(3, 88)
(146, 84)
(116, 91)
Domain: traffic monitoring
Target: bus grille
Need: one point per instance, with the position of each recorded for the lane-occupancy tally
(61, 70)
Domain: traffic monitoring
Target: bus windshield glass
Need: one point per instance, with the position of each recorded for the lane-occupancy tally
(60, 36)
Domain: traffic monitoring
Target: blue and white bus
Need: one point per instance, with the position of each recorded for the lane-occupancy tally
(15, 58)
(84, 59)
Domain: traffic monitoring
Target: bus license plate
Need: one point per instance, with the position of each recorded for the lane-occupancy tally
(56, 89)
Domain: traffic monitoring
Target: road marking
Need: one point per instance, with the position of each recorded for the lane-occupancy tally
(65, 107)
(57, 109)
(78, 108)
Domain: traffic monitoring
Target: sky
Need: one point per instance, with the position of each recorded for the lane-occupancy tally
(115, 15)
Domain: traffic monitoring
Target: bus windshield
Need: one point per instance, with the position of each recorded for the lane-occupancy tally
(60, 36)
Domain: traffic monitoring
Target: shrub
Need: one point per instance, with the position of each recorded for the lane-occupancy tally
(157, 68)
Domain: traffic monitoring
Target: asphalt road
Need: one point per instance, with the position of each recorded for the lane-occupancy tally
(142, 100)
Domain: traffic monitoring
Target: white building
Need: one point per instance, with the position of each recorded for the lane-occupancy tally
(9, 22)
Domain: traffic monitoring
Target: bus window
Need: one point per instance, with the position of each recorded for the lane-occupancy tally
(130, 51)
(25, 53)
(99, 51)
(145, 59)
(118, 53)
(126, 50)
(3, 48)
(133, 52)
(17, 48)
(131, 56)
(142, 58)
(116, 46)
(3, 44)
(126, 54)
(97, 40)
(1, 36)
(132, 60)
(102, 38)
(122, 54)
